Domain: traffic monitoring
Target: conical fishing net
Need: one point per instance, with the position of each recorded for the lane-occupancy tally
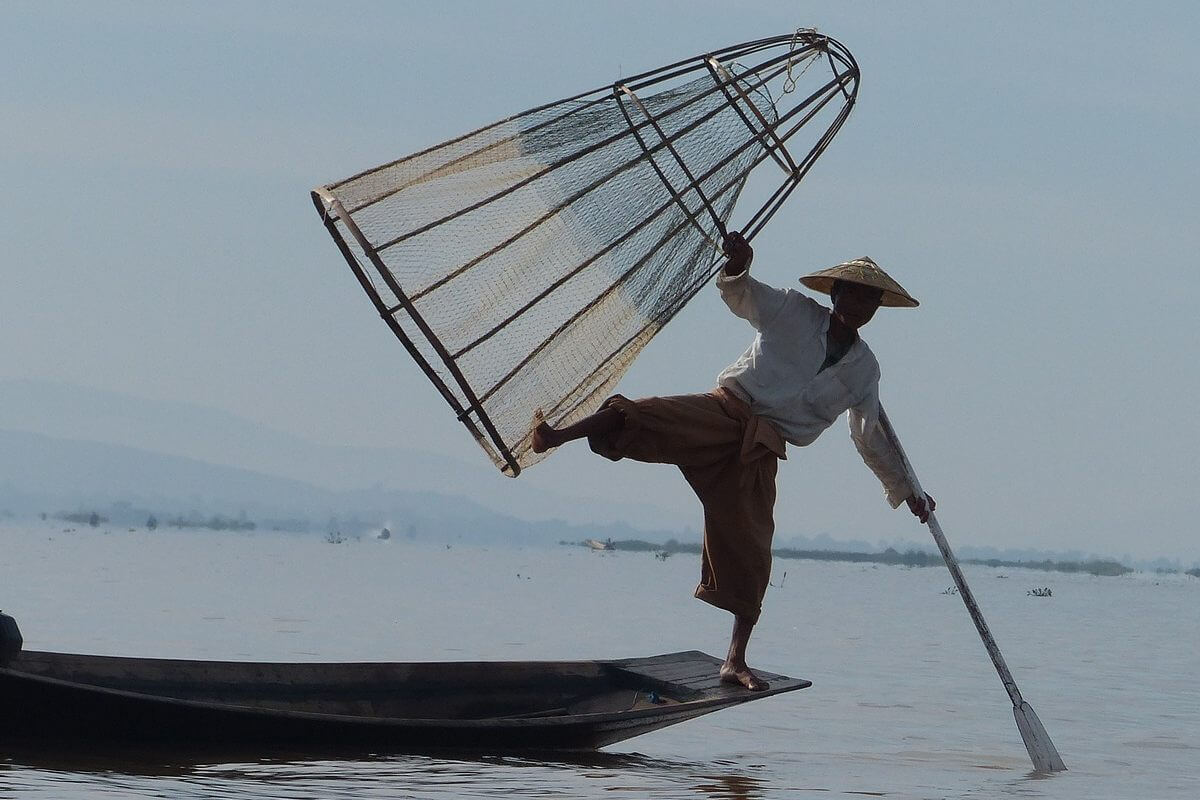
(526, 264)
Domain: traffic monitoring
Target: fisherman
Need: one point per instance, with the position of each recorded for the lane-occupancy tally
(806, 366)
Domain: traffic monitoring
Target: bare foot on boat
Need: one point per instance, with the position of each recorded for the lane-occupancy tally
(741, 675)
(544, 438)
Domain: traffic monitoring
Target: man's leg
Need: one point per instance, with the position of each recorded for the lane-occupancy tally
(735, 567)
(603, 422)
(697, 431)
(735, 670)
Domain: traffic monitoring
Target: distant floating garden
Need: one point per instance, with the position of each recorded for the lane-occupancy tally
(890, 556)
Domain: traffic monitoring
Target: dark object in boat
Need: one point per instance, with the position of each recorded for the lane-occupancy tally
(378, 707)
(10, 638)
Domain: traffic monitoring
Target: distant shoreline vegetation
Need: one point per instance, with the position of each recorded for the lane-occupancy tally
(213, 523)
(353, 527)
(909, 558)
(81, 517)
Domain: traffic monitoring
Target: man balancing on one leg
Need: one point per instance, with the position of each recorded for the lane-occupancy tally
(806, 367)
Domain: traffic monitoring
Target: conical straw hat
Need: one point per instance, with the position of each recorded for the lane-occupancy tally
(867, 272)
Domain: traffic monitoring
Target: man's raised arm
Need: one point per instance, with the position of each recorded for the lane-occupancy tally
(751, 300)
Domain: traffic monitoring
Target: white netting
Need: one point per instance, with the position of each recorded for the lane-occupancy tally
(527, 264)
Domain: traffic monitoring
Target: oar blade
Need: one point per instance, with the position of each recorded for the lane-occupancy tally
(1042, 752)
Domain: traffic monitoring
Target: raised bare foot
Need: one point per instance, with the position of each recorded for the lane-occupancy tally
(544, 437)
(741, 675)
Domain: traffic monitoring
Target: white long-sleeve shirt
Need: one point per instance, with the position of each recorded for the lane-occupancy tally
(780, 376)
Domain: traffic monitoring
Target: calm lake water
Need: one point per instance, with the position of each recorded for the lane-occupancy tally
(905, 703)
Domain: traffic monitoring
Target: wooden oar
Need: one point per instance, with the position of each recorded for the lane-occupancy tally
(1041, 750)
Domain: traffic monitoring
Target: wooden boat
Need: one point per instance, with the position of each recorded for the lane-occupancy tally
(377, 707)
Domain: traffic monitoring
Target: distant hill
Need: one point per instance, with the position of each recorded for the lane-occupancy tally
(216, 437)
(42, 474)
(66, 448)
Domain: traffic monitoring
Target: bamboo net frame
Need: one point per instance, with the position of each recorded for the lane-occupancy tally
(525, 264)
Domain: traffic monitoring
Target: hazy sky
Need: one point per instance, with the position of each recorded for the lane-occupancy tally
(1027, 170)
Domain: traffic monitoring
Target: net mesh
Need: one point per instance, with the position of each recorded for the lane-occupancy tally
(526, 264)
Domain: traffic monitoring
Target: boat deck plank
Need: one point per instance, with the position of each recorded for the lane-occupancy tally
(700, 673)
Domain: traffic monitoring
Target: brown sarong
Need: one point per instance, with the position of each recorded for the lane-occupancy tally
(729, 456)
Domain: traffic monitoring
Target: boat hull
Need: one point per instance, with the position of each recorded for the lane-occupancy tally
(483, 706)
